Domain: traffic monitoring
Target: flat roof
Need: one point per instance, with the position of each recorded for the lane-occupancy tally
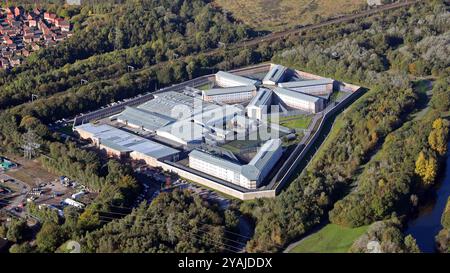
(141, 117)
(239, 79)
(261, 98)
(217, 115)
(265, 153)
(185, 130)
(296, 95)
(176, 105)
(120, 140)
(306, 83)
(229, 90)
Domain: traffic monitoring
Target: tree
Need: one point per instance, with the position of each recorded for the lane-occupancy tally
(411, 245)
(49, 238)
(17, 231)
(426, 168)
(21, 248)
(88, 220)
(438, 136)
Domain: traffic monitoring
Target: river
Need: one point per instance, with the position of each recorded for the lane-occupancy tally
(428, 223)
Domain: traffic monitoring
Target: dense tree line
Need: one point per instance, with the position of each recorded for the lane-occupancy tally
(153, 31)
(173, 222)
(391, 182)
(357, 53)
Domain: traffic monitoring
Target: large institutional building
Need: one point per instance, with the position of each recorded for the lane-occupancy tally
(299, 100)
(187, 132)
(313, 87)
(121, 144)
(249, 176)
(275, 75)
(236, 94)
(258, 106)
(225, 79)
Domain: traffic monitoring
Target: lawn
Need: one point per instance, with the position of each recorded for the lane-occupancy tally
(205, 86)
(277, 15)
(330, 239)
(337, 95)
(236, 146)
(296, 122)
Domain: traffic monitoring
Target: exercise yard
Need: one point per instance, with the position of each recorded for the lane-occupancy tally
(296, 122)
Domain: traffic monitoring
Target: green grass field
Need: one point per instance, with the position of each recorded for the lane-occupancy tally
(276, 15)
(296, 122)
(235, 146)
(330, 239)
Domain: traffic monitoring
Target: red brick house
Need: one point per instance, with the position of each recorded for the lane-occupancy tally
(50, 17)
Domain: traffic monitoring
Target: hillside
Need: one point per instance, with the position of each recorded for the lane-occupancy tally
(276, 15)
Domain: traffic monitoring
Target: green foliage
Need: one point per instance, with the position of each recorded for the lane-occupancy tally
(49, 238)
(21, 248)
(138, 33)
(441, 96)
(446, 216)
(356, 53)
(44, 213)
(173, 222)
(389, 236)
(18, 231)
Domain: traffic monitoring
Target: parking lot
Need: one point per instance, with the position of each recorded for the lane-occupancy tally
(154, 182)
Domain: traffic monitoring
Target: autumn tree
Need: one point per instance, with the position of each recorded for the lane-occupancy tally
(438, 136)
(426, 168)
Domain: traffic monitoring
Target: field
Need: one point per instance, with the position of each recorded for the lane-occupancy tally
(296, 122)
(330, 239)
(277, 15)
(30, 171)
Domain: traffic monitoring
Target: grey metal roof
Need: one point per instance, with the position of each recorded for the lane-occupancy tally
(275, 73)
(229, 90)
(261, 98)
(176, 105)
(111, 144)
(126, 142)
(305, 83)
(143, 118)
(265, 153)
(239, 79)
(295, 94)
